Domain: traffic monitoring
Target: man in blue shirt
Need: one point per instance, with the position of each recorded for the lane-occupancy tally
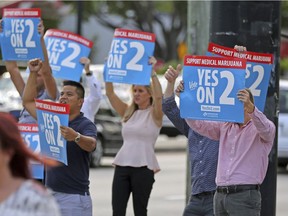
(203, 154)
(69, 183)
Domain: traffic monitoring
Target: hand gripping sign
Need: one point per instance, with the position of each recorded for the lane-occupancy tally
(50, 116)
(30, 135)
(258, 70)
(128, 57)
(20, 40)
(64, 51)
(210, 88)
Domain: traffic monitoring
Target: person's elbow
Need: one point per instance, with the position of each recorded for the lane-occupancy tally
(93, 145)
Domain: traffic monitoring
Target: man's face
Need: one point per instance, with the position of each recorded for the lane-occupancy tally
(69, 96)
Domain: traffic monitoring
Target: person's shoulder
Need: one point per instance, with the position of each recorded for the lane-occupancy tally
(82, 120)
(38, 197)
(35, 188)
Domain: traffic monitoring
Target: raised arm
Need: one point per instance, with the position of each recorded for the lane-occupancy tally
(30, 91)
(92, 101)
(171, 75)
(156, 94)
(119, 106)
(12, 68)
(46, 72)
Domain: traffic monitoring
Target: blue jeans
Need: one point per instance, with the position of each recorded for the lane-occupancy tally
(199, 205)
(74, 204)
(246, 203)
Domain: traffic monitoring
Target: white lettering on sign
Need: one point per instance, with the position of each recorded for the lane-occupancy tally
(57, 46)
(51, 122)
(18, 27)
(119, 48)
(255, 69)
(208, 80)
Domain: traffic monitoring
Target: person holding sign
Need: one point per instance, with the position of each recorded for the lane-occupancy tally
(46, 84)
(136, 163)
(243, 157)
(69, 183)
(19, 194)
(203, 154)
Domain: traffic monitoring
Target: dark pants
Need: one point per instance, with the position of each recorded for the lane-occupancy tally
(200, 205)
(139, 182)
(247, 203)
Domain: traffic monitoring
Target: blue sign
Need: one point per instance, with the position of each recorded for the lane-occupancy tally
(128, 57)
(30, 135)
(64, 52)
(51, 116)
(20, 40)
(210, 89)
(258, 70)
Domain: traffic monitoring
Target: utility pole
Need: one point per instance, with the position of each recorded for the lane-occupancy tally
(255, 25)
(197, 40)
(79, 16)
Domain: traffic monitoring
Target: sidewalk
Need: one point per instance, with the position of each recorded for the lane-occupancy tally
(178, 144)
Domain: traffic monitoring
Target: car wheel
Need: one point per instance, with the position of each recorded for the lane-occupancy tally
(97, 154)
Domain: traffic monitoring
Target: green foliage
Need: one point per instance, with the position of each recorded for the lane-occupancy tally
(284, 14)
(283, 66)
(162, 69)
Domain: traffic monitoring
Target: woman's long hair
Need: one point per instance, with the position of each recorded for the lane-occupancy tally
(133, 107)
(12, 142)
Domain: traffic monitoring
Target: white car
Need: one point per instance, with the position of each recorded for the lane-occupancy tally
(283, 124)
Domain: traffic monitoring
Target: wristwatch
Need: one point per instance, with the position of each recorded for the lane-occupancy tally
(77, 139)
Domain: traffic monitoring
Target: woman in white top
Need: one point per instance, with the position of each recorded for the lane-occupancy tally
(136, 163)
(19, 195)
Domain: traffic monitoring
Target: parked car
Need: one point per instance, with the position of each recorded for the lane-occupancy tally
(10, 100)
(168, 128)
(109, 137)
(283, 124)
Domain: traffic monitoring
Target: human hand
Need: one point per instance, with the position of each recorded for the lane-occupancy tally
(244, 96)
(171, 74)
(41, 28)
(68, 133)
(86, 62)
(35, 65)
(240, 48)
(180, 88)
(153, 61)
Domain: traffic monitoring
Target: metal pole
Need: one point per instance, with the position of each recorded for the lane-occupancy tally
(197, 40)
(257, 26)
(79, 17)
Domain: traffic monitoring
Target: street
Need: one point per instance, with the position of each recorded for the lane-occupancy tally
(168, 194)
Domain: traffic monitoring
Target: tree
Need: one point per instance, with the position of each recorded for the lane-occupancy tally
(168, 20)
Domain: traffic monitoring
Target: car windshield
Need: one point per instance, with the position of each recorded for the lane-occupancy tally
(283, 101)
(6, 86)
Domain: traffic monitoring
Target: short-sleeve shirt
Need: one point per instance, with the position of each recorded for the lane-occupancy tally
(74, 178)
(25, 117)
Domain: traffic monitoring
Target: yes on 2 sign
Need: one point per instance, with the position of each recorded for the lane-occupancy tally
(20, 40)
(127, 61)
(29, 133)
(258, 70)
(51, 116)
(210, 88)
(64, 51)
